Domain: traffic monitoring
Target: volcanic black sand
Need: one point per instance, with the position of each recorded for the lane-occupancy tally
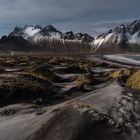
(71, 97)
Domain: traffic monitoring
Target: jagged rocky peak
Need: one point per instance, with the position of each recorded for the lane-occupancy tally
(33, 32)
(26, 31)
(84, 37)
(133, 27)
(120, 29)
(50, 28)
(17, 28)
(34, 26)
(68, 35)
(51, 31)
(17, 31)
(103, 35)
(78, 36)
(121, 36)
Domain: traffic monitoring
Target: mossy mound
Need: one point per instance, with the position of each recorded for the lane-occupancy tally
(77, 68)
(14, 61)
(134, 80)
(10, 62)
(45, 72)
(121, 74)
(26, 87)
(58, 60)
(84, 79)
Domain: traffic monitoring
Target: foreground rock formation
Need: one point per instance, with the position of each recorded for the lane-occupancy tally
(68, 98)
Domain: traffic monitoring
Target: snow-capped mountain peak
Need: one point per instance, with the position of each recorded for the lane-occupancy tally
(120, 29)
(133, 27)
(49, 31)
(50, 28)
(26, 32)
(122, 36)
(36, 32)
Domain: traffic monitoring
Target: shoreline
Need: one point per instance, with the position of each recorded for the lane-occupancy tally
(123, 59)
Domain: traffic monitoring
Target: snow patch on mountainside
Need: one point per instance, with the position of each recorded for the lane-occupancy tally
(134, 39)
(54, 35)
(41, 38)
(99, 41)
(30, 31)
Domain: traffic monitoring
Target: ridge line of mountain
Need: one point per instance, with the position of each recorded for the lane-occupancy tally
(48, 38)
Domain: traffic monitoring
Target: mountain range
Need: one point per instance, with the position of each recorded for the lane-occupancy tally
(37, 38)
(121, 38)
(48, 38)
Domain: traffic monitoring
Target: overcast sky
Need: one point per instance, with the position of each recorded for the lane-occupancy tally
(91, 16)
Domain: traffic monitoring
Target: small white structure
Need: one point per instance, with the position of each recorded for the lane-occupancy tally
(12, 53)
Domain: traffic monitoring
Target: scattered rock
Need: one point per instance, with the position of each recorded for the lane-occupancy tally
(38, 101)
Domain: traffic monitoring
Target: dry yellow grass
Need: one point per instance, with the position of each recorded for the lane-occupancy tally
(84, 79)
(120, 72)
(134, 80)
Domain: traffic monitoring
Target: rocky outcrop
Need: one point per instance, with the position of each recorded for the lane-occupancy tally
(49, 31)
(68, 35)
(79, 108)
(25, 79)
(84, 37)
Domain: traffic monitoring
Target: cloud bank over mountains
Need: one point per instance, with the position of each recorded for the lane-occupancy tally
(67, 14)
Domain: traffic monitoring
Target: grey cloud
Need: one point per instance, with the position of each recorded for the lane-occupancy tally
(75, 13)
(10, 9)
